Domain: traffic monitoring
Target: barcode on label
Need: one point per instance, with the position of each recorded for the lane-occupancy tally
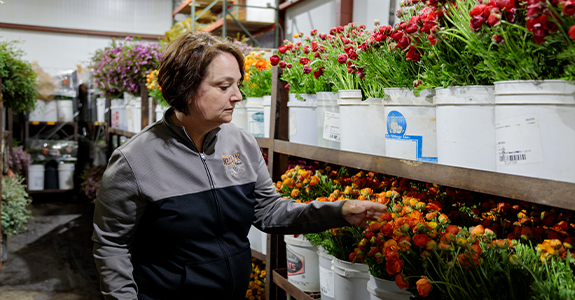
(513, 157)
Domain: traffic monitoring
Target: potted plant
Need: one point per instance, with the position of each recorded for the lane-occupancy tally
(18, 79)
(15, 214)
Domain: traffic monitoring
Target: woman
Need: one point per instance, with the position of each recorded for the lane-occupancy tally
(178, 199)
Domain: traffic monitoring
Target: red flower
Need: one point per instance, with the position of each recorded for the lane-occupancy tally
(316, 55)
(420, 240)
(411, 28)
(432, 40)
(317, 73)
(403, 43)
(306, 69)
(396, 36)
(342, 58)
(572, 32)
(274, 60)
(569, 8)
(287, 86)
(413, 54)
(393, 265)
(452, 229)
(416, 83)
(477, 10)
(539, 36)
(289, 65)
(314, 46)
(493, 19)
(313, 32)
(477, 22)
(282, 64)
(385, 29)
(428, 26)
(498, 39)
(505, 4)
(282, 49)
(304, 61)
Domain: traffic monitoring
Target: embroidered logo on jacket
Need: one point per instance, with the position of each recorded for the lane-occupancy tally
(233, 164)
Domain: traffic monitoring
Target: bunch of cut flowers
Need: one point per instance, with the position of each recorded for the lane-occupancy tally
(258, 77)
(154, 89)
(124, 68)
(519, 40)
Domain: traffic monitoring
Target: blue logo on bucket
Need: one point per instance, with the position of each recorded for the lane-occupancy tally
(396, 124)
(258, 117)
(396, 127)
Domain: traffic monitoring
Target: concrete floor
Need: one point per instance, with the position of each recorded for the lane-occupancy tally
(53, 259)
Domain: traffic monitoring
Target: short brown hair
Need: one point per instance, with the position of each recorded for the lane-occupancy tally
(184, 65)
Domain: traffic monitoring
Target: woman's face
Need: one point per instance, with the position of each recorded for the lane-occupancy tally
(219, 91)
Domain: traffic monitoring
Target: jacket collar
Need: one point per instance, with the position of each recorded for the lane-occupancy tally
(180, 131)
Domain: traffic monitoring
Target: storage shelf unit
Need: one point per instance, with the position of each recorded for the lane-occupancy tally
(534, 190)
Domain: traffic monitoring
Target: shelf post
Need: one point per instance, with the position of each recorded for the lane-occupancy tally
(1, 134)
(224, 14)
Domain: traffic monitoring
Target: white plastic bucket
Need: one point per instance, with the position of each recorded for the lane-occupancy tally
(466, 126)
(101, 109)
(535, 128)
(303, 119)
(267, 103)
(326, 277)
(65, 110)
(350, 280)
(362, 123)
(240, 115)
(130, 116)
(257, 242)
(35, 177)
(380, 289)
(159, 112)
(411, 132)
(137, 116)
(255, 116)
(302, 263)
(328, 121)
(45, 111)
(66, 176)
(123, 124)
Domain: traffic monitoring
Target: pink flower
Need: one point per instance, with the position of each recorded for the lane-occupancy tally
(342, 58)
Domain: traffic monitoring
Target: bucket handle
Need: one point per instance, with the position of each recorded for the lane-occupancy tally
(350, 273)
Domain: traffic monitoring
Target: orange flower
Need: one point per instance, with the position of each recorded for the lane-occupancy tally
(420, 240)
(391, 251)
(393, 265)
(400, 282)
(478, 230)
(423, 286)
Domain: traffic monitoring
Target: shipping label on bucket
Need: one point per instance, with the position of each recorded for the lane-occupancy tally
(331, 126)
(256, 124)
(295, 263)
(326, 282)
(518, 140)
(400, 145)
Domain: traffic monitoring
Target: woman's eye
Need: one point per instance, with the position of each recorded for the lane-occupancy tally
(224, 88)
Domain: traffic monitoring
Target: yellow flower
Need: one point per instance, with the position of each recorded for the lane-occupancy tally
(295, 35)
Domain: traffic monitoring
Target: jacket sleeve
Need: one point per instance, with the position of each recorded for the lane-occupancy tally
(118, 208)
(277, 215)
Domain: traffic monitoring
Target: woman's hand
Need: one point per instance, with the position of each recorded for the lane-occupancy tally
(358, 212)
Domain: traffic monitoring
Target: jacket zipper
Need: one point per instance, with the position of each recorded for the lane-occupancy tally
(220, 230)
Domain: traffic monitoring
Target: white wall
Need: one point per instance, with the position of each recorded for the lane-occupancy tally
(309, 15)
(138, 16)
(367, 11)
(65, 51)
(56, 50)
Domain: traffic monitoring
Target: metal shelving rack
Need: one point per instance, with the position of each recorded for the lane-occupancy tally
(222, 25)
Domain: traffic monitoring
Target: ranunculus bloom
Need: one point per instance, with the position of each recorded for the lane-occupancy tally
(572, 32)
(317, 73)
(304, 61)
(342, 58)
(428, 26)
(282, 64)
(400, 282)
(274, 60)
(289, 65)
(477, 230)
(477, 22)
(423, 286)
(282, 49)
(477, 10)
(569, 8)
(393, 265)
(396, 36)
(453, 229)
(411, 28)
(493, 19)
(306, 69)
(287, 86)
(420, 240)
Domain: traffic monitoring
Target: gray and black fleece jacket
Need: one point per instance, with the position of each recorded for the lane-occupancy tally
(172, 223)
